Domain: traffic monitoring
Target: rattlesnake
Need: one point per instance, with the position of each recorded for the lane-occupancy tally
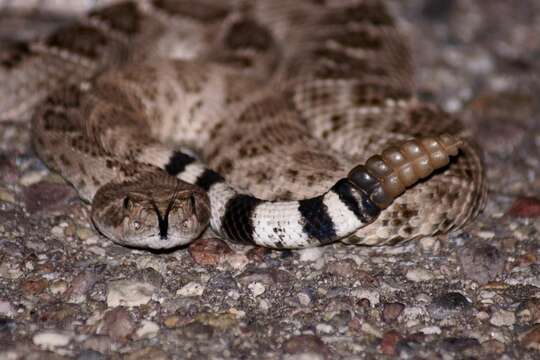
(274, 100)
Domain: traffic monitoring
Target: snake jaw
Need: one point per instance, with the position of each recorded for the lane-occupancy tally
(386, 176)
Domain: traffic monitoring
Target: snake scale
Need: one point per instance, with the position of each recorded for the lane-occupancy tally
(285, 124)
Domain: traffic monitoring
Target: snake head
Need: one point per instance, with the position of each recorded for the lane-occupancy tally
(154, 211)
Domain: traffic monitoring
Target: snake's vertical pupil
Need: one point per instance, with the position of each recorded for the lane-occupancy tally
(126, 202)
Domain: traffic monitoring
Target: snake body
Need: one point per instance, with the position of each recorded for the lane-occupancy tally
(267, 128)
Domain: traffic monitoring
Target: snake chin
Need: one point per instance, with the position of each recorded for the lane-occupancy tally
(152, 216)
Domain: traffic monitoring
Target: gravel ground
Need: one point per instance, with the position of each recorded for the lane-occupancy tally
(67, 293)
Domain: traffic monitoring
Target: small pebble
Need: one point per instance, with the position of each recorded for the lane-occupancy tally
(309, 345)
(371, 295)
(58, 287)
(7, 196)
(391, 312)
(503, 318)
(51, 339)
(34, 286)
(79, 287)
(256, 288)
(304, 299)
(84, 233)
(129, 293)
(237, 261)
(310, 254)
(46, 196)
(419, 274)
(431, 330)
(6, 309)
(191, 289)
(209, 251)
(117, 324)
(324, 328)
(448, 305)
(430, 244)
(148, 329)
(481, 262)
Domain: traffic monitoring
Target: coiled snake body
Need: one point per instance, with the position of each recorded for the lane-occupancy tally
(266, 127)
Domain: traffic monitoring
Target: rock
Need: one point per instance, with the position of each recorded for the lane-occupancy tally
(345, 268)
(310, 345)
(129, 293)
(58, 287)
(391, 312)
(268, 277)
(84, 233)
(148, 329)
(340, 319)
(7, 196)
(323, 328)
(80, 285)
(481, 262)
(98, 343)
(311, 254)
(237, 261)
(529, 311)
(371, 295)
(303, 298)
(117, 324)
(59, 312)
(256, 288)
(527, 207)
(221, 321)
(209, 251)
(389, 341)
(174, 321)
(531, 338)
(6, 309)
(448, 304)
(431, 330)
(503, 318)
(430, 244)
(191, 289)
(152, 276)
(46, 196)
(418, 275)
(34, 286)
(50, 340)
(257, 254)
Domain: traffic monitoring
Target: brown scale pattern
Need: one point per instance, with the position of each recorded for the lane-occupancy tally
(123, 17)
(352, 98)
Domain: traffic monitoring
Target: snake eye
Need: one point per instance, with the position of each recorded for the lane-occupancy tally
(137, 225)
